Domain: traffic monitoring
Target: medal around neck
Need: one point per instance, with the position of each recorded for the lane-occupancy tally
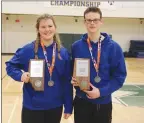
(50, 83)
(97, 79)
(95, 63)
(36, 70)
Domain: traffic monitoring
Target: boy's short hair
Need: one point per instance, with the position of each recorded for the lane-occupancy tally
(93, 9)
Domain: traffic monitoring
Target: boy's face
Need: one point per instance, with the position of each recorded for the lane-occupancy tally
(92, 22)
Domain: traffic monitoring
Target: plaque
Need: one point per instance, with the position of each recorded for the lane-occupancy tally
(82, 72)
(36, 70)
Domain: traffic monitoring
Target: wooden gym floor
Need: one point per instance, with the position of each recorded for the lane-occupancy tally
(128, 102)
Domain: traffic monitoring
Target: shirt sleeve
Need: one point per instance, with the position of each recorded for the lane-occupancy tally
(14, 65)
(117, 70)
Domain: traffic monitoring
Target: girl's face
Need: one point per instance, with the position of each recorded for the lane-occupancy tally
(46, 29)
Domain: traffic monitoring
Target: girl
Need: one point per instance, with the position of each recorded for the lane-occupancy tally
(44, 106)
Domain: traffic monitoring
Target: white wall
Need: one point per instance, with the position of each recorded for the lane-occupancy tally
(118, 9)
(16, 35)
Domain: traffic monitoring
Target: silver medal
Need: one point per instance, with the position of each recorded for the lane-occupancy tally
(50, 83)
(97, 79)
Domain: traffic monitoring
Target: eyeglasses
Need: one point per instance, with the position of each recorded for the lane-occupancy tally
(89, 21)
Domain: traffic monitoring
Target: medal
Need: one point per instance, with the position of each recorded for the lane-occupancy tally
(38, 83)
(50, 67)
(50, 83)
(96, 64)
(97, 79)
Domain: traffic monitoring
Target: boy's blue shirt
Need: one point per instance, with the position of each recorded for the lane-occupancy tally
(52, 97)
(112, 69)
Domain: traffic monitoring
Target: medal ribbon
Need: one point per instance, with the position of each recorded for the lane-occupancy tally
(50, 67)
(96, 64)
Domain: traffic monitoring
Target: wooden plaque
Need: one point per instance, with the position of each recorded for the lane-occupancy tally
(82, 72)
(36, 70)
